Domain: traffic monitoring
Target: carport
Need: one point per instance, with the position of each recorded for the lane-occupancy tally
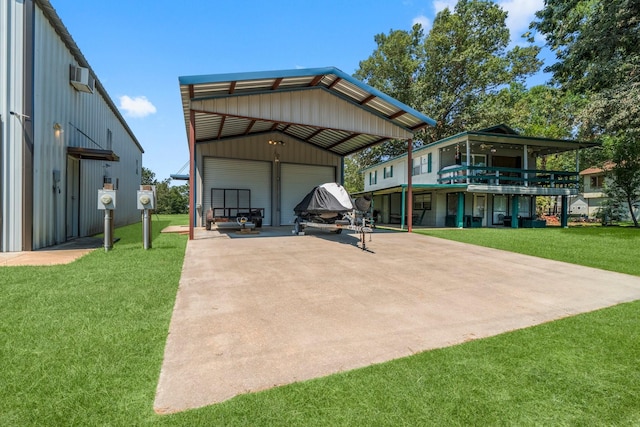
(278, 132)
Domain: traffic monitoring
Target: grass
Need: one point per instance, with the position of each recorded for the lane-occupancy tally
(82, 344)
(607, 248)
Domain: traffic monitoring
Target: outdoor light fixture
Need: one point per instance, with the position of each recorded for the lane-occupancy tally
(57, 129)
(271, 142)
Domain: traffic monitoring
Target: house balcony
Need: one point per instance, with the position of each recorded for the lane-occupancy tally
(510, 180)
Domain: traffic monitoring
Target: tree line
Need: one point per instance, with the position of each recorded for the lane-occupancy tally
(169, 199)
(467, 75)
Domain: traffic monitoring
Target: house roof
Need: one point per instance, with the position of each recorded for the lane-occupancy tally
(502, 136)
(598, 170)
(235, 105)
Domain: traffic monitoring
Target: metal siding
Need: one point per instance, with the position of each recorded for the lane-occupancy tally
(298, 180)
(56, 101)
(11, 89)
(311, 107)
(239, 174)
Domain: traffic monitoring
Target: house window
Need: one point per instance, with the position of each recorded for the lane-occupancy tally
(524, 206)
(416, 167)
(597, 181)
(424, 165)
(388, 171)
(373, 178)
(476, 159)
(422, 201)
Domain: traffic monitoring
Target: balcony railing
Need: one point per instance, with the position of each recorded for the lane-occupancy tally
(457, 174)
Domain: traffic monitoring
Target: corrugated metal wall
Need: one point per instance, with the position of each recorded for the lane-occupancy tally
(11, 83)
(258, 148)
(309, 107)
(85, 120)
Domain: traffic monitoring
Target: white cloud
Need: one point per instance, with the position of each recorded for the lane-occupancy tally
(440, 5)
(424, 21)
(520, 14)
(137, 107)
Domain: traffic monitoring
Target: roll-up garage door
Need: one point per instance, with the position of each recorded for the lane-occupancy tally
(240, 174)
(297, 181)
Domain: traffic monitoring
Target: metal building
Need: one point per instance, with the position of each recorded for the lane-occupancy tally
(61, 136)
(281, 133)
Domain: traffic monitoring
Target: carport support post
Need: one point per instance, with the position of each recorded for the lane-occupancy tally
(564, 215)
(192, 172)
(403, 203)
(409, 205)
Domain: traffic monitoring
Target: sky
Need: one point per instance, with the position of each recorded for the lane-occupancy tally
(138, 49)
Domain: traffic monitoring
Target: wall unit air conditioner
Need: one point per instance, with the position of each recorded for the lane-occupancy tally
(81, 79)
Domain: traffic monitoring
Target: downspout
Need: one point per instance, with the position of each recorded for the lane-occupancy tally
(192, 172)
(409, 186)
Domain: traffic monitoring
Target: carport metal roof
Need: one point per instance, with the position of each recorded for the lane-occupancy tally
(213, 100)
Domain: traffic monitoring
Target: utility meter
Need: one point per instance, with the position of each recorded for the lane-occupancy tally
(146, 199)
(106, 199)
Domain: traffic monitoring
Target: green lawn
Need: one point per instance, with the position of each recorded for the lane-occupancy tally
(608, 248)
(82, 344)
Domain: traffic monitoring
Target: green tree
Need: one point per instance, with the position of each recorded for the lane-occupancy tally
(169, 199)
(148, 177)
(452, 74)
(597, 43)
(465, 64)
(172, 199)
(392, 68)
(614, 115)
(353, 179)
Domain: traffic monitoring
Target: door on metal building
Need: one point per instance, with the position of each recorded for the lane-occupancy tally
(297, 181)
(240, 175)
(73, 197)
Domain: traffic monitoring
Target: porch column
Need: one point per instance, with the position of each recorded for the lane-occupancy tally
(460, 214)
(515, 211)
(468, 172)
(402, 207)
(564, 216)
(192, 172)
(526, 165)
(409, 187)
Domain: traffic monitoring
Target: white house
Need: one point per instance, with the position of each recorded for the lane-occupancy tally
(589, 202)
(61, 136)
(473, 179)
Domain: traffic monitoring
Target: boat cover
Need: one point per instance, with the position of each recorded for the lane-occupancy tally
(329, 197)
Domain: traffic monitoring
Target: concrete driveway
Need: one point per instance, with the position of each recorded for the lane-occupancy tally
(257, 312)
